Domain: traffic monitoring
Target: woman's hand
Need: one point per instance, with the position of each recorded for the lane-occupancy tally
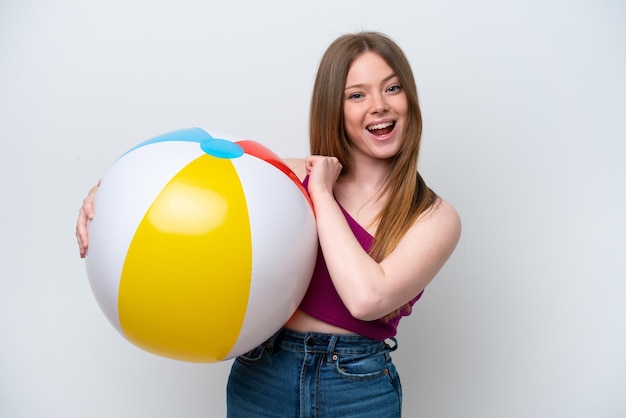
(323, 173)
(85, 214)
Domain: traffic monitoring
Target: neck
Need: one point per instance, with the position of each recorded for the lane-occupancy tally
(361, 193)
(368, 176)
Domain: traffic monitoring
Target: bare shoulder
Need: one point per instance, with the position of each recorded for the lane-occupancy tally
(443, 212)
(440, 224)
(297, 166)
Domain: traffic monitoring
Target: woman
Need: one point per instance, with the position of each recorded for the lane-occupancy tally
(383, 235)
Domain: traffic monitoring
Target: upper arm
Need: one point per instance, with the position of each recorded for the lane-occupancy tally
(404, 273)
(422, 252)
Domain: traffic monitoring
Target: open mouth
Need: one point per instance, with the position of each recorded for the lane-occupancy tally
(381, 129)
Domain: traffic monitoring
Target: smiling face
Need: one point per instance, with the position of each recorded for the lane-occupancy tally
(375, 108)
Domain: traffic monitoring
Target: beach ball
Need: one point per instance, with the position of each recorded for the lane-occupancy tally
(200, 248)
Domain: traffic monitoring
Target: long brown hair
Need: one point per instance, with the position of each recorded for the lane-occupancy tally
(408, 196)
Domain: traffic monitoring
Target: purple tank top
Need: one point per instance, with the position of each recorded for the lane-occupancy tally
(323, 302)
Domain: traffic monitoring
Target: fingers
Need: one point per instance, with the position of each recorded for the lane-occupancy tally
(323, 173)
(328, 163)
(88, 202)
(82, 237)
(85, 214)
(308, 164)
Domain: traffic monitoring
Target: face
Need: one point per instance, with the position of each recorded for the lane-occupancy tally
(375, 108)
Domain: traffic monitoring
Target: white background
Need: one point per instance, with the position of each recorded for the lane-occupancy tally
(524, 117)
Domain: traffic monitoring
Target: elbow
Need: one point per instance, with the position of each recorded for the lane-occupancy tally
(366, 309)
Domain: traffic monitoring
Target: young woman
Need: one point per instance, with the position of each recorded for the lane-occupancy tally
(383, 235)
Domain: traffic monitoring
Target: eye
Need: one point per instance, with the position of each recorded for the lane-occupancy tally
(355, 96)
(395, 88)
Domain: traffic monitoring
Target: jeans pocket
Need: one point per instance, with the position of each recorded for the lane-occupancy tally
(363, 366)
(254, 356)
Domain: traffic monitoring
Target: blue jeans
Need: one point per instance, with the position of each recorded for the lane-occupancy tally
(315, 375)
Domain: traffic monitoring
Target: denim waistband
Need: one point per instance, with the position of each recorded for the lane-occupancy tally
(318, 342)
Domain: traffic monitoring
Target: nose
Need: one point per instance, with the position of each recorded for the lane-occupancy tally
(379, 104)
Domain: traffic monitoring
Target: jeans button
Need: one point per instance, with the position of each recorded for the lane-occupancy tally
(310, 341)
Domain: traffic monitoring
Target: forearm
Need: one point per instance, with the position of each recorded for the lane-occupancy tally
(358, 278)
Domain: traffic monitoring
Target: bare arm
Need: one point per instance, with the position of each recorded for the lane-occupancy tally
(370, 289)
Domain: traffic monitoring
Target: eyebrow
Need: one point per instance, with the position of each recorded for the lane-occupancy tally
(384, 80)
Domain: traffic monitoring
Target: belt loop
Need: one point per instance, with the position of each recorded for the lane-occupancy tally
(332, 344)
(393, 347)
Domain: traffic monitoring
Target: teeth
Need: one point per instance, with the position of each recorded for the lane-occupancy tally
(379, 126)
